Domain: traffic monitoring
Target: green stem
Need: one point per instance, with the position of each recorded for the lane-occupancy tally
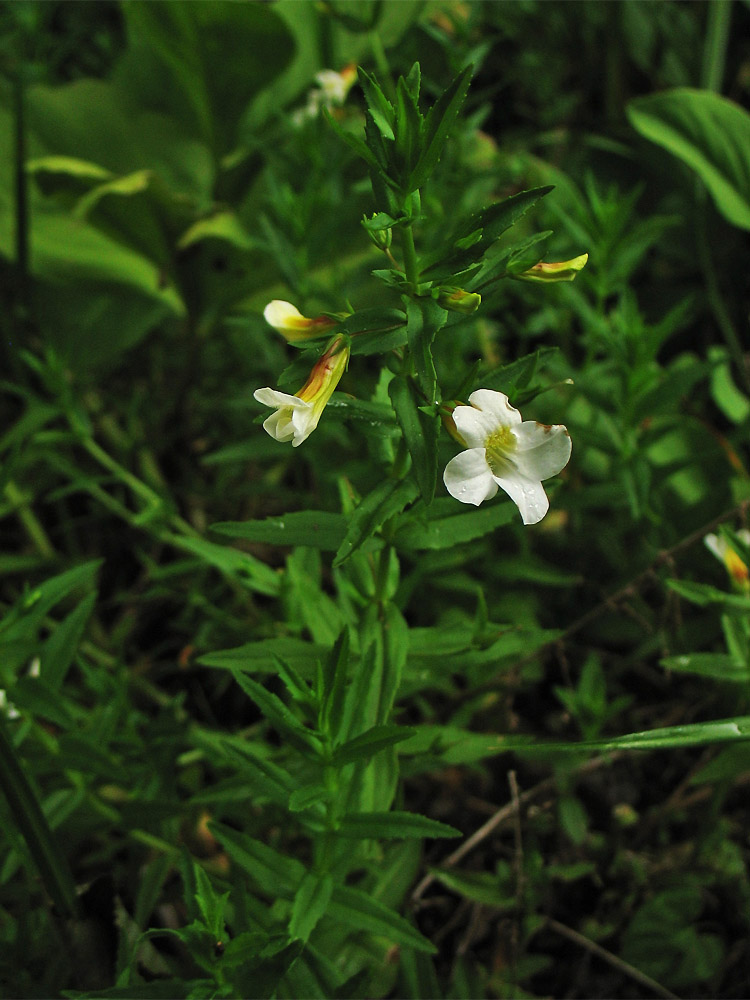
(29, 520)
(716, 299)
(715, 49)
(411, 267)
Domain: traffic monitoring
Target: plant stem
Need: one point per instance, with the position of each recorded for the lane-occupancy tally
(411, 267)
(715, 49)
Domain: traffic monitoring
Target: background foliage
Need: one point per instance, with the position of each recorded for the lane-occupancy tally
(230, 757)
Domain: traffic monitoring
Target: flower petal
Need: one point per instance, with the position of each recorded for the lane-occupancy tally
(467, 477)
(543, 450)
(496, 404)
(527, 495)
(273, 397)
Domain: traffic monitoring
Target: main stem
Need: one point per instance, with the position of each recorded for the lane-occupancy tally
(411, 268)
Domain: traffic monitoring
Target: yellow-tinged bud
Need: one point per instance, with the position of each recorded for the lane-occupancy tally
(565, 270)
(292, 325)
(457, 300)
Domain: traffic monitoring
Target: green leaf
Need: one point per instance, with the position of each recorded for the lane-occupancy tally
(388, 498)
(709, 133)
(310, 904)
(378, 104)
(409, 124)
(518, 374)
(693, 735)
(437, 126)
(380, 825)
(44, 847)
(223, 225)
(719, 666)
(424, 318)
(418, 532)
(480, 887)
(277, 713)
(249, 571)
(420, 432)
(262, 656)
(277, 874)
(703, 594)
(60, 648)
(369, 743)
(358, 910)
(334, 676)
(313, 528)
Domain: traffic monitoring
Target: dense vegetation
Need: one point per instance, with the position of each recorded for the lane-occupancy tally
(322, 701)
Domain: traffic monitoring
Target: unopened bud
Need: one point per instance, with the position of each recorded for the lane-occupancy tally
(565, 270)
(458, 300)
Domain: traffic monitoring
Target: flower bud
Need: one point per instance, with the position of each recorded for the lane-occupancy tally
(457, 300)
(565, 270)
(292, 325)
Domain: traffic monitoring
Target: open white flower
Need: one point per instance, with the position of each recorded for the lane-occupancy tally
(296, 417)
(506, 452)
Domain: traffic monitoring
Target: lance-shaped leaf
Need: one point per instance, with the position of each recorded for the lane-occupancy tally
(424, 318)
(437, 125)
(367, 744)
(420, 431)
(358, 909)
(395, 825)
(378, 105)
(277, 713)
(313, 528)
(388, 498)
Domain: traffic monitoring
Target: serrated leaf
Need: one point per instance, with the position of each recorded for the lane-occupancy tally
(445, 532)
(380, 825)
(378, 105)
(316, 529)
(437, 126)
(387, 499)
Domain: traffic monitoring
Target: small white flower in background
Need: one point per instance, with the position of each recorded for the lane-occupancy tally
(296, 417)
(505, 452)
(329, 94)
(291, 324)
(735, 566)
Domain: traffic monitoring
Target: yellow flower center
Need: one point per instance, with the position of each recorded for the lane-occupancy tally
(499, 446)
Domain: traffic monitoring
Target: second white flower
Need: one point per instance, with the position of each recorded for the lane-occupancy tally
(505, 452)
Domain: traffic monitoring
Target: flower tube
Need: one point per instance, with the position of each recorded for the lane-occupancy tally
(296, 417)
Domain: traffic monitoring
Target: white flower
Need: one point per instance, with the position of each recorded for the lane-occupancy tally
(505, 452)
(296, 417)
(735, 566)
